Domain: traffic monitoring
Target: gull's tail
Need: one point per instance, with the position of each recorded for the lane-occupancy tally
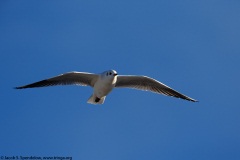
(95, 100)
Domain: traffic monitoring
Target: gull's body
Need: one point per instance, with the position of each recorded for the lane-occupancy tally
(104, 83)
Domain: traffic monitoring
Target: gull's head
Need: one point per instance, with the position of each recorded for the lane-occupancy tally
(110, 74)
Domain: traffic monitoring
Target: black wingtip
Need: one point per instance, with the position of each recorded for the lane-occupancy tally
(18, 88)
(194, 100)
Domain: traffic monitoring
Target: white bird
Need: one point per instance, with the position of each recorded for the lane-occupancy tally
(104, 83)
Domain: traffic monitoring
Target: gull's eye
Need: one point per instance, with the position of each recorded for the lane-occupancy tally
(110, 73)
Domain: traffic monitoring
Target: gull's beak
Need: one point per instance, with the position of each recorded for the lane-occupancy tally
(115, 74)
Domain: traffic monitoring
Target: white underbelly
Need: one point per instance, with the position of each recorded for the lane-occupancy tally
(102, 89)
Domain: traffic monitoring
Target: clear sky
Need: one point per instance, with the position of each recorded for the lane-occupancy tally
(192, 46)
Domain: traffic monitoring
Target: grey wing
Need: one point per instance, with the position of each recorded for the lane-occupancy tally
(149, 84)
(70, 78)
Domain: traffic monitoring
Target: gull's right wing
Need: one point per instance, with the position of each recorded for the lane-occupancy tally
(70, 78)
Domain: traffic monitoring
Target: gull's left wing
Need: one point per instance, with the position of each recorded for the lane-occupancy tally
(149, 84)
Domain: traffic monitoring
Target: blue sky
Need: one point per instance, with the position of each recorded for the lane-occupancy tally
(192, 46)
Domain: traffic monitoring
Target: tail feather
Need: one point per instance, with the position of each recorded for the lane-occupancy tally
(95, 100)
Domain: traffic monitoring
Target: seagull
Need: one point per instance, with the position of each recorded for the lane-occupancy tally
(104, 83)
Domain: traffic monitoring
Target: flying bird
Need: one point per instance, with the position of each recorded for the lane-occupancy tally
(103, 84)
